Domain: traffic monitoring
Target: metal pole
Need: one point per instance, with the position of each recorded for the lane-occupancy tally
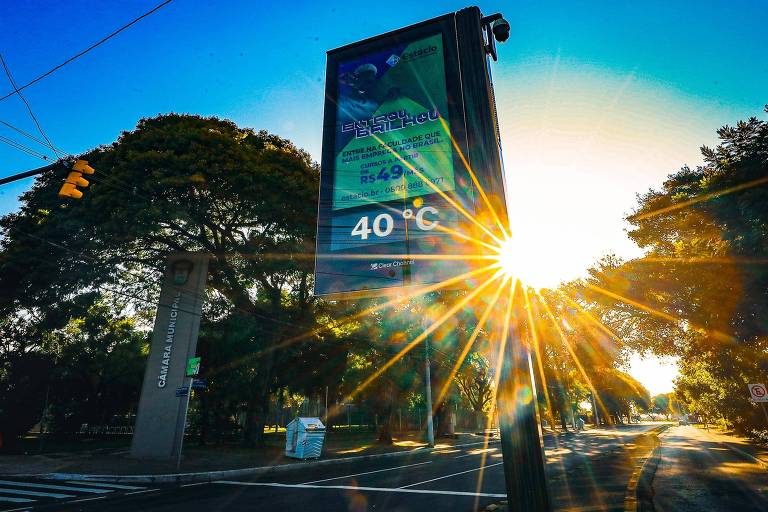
(42, 417)
(184, 424)
(762, 404)
(594, 411)
(326, 404)
(428, 379)
(27, 174)
(521, 438)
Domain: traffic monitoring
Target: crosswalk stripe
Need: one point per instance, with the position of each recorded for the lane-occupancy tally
(15, 500)
(53, 487)
(3, 490)
(103, 484)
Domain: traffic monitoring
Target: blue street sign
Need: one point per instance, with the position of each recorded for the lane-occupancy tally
(182, 391)
(199, 384)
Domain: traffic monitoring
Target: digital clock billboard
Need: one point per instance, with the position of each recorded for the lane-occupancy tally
(391, 168)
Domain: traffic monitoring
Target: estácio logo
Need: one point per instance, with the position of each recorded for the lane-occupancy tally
(418, 53)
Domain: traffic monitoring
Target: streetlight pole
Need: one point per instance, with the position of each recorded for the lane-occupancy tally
(428, 379)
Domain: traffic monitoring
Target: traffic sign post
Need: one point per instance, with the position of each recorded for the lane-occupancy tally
(187, 396)
(193, 368)
(759, 393)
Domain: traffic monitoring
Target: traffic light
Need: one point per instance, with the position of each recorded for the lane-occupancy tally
(75, 179)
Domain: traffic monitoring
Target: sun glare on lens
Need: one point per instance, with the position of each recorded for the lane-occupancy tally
(519, 262)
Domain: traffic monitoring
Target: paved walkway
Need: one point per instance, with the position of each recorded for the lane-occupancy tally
(698, 472)
(211, 458)
(587, 472)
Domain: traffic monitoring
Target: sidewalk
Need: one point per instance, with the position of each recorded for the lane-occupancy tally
(741, 445)
(713, 471)
(198, 459)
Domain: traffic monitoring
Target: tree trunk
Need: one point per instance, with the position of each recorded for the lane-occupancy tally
(258, 405)
(385, 432)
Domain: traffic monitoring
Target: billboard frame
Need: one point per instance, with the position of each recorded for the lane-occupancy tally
(456, 117)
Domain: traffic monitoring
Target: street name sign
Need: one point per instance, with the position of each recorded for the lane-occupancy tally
(758, 392)
(193, 366)
(182, 391)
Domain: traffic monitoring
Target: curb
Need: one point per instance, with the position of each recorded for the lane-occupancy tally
(639, 494)
(209, 476)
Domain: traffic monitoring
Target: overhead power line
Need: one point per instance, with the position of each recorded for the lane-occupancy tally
(94, 45)
(29, 107)
(22, 147)
(26, 134)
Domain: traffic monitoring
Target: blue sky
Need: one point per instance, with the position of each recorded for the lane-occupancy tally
(597, 100)
(262, 63)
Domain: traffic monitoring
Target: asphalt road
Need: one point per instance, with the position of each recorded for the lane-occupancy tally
(586, 471)
(696, 472)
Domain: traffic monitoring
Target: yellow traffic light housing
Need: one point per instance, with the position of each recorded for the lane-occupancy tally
(83, 167)
(75, 179)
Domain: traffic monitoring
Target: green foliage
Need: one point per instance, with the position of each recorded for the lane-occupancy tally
(701, 290)
(175, 183)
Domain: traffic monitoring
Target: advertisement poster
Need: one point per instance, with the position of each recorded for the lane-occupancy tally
(388, 120)
(391, 158)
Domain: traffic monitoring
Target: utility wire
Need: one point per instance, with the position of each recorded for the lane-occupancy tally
(22, 147)
(94, 45)
(26, 134)
(29, 108)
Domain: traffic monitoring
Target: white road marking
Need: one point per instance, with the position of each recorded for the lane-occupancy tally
(356, 488)
(3, 490)
(88, 499)
(367, 473)
(54, 487)
(476, 453)
(195, 484)
(139, 492)
(452, 474)
(15, 500)
(104, 484)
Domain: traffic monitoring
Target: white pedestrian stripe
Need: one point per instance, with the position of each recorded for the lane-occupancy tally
(104, 484)
(54, 487)
(6, 499)
(4, 490)
(357, 488)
